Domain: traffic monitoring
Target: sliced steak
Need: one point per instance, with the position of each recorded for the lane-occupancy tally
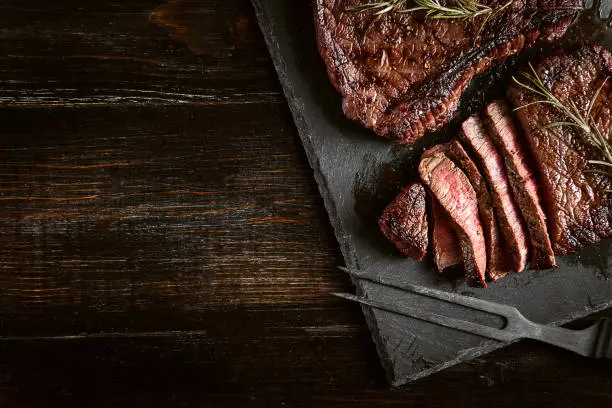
(497, 266)
(505, 134)
(402, 74)
(445, 243)
(575, 197)
(404, 221)
(475, 136)
(453, 190)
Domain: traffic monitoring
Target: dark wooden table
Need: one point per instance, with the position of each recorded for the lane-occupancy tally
(163, 242)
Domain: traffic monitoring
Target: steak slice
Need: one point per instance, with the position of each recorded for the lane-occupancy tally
(497, 266)
(404, 221)
(575, 197)
(513, 233)
(453, 190)
(402, 74)
(505, 134)
(445, 243)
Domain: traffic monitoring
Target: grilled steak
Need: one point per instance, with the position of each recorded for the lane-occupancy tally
(402, 75)
(404, 221)
(445, 243)
(504, 132)
(575, 197)
(476, 137)
(497, 266)
(453, 190)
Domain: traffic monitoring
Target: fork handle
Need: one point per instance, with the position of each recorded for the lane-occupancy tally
(573, 340)
(594, 341)
(603, 348)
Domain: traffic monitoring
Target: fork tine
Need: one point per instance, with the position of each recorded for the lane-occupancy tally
(462, 325)
(508, 312)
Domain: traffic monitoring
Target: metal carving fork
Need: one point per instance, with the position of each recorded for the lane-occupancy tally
(594, 341)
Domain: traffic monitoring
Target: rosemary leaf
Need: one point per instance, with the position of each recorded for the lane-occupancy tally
(601, 163)
(380, 7)
(585, 123)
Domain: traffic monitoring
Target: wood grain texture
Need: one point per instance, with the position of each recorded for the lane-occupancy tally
(163, 242)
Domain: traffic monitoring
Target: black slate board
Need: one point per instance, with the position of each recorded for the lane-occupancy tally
(358, 173)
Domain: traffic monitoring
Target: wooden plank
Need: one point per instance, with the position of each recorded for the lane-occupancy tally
(153, 178)
(173, 210)
(137, 52)
(333, 369)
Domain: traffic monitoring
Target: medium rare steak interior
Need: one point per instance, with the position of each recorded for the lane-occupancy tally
(476, 136)
(453, 190)
(538, 179)
(505, 133)
(445, 244)
(402, 75)
(497, 257)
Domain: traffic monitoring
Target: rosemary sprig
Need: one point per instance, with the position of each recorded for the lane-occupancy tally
(462, 10)
(585, 123)
(434, 9)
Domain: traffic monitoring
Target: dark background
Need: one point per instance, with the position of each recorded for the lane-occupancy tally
(163, 242)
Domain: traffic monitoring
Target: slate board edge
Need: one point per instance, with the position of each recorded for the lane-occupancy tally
(345, 246)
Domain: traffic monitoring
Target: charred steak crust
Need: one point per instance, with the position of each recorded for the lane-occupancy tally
(445, 243)
(505, 134)
(497, 266)
(402, 75)
(404, 221)
(476, 137)
(576, 201)
(453, 190)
